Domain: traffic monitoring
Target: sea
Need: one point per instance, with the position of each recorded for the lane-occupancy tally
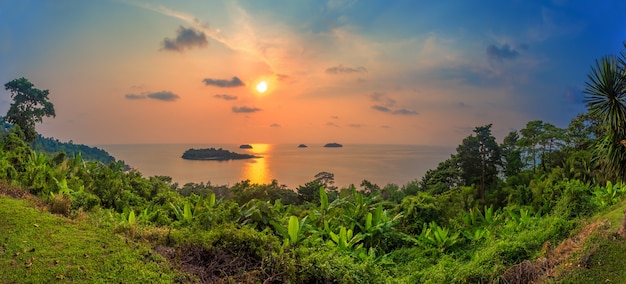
(287, 163)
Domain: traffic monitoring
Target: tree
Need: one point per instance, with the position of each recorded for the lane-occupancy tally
(30, 105)
(605, 98)
(446, 176)
(511, 155)
(479, 158)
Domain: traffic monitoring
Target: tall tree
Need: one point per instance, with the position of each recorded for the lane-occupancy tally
(511, 154)
(530, 141)
(30, 105)
(479, 158)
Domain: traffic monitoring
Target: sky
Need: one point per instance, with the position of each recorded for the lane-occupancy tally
(347, 71)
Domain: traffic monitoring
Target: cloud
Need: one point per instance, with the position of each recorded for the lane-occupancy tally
(384, 99)
(404, 111)
(165, 96)
(245, 109)
(185, 39)
(281, 77)
(331, 124)
(274, 125)
(388, 105)
(335, 117)
(225, 97)
(234, 82)
(340, 69)
(134, 97)
(385, 126)
(356, 125)
(504, 52)
(381, 108)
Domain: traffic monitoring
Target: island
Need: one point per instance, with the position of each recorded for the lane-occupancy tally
(302, 146)
(245, 146)
(212, 154)
(333, 145)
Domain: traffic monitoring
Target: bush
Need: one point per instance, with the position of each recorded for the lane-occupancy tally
(325, 265)
(61, 204)
(85, 200)
(576, 201)
(228, 254)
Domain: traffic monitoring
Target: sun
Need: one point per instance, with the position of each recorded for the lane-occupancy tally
(261, 87)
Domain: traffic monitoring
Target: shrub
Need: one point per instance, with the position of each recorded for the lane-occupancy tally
(85, 200)
(61, 204)
(325, 265)
(575, 201)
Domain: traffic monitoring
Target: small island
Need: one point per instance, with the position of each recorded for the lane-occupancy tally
(333, 145)
(245, 146)
(302, 146)
(212, 154)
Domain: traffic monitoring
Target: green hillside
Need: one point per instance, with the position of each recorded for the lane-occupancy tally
(39, 247)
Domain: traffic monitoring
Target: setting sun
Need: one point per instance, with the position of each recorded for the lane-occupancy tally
(261, 87)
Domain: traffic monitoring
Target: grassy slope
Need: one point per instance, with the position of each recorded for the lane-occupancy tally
(39, 247)
(603, 257)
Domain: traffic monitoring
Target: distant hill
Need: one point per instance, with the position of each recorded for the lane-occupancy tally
(51, 145)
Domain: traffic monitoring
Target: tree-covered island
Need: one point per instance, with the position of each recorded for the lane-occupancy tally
(215, 154)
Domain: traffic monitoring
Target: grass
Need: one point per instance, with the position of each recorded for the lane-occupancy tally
(603, 258)
(40, 247)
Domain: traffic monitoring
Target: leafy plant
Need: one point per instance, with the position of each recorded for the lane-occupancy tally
(438, 236)
(346, 239)
(183, 214)
(609, 194)
(293, 233)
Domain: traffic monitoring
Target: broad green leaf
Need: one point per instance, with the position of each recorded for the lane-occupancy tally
(293, 229)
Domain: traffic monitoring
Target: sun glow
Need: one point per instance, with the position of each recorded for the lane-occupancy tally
(261, 87)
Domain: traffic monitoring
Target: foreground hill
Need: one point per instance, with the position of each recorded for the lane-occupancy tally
(39, 247)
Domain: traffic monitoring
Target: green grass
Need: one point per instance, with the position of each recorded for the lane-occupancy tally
(603, 259)
(39, 247)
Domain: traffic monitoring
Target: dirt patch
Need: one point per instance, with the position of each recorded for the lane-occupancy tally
(212, 265)
(546, 267)
(13, 191)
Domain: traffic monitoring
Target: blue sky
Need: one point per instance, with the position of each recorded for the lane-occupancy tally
(402, 72)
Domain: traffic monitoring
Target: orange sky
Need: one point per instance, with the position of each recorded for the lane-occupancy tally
(337, 71)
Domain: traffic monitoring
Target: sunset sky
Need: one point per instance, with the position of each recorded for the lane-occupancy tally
(347, 71)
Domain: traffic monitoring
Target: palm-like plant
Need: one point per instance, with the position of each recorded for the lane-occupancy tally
(606, 98)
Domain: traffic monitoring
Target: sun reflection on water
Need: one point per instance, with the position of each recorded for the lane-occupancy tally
(257, 170)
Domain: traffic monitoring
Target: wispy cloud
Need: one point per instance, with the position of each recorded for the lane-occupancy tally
(404, 111)
(274, 125)
(225, 97)
(186, 38)
(381, 108)
(165, 96)
(501, 53)
(234, 82)
(134, 96)
(245, 109)
(383, 99)
(340, 69)
(356, 125)
(388, 105)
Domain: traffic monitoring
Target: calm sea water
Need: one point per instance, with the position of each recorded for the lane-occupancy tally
(290, 165)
